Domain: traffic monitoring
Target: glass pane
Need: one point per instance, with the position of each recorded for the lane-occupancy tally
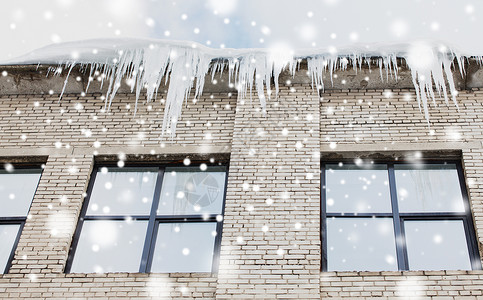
(125, 192)
(437, 245)
(433, 188)
(351, 189)
(361, 244)
(8, 235)
(17, 191)
(110, 246)
(188, 191)
(184, 247)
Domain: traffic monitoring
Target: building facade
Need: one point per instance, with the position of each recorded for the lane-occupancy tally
(274, 225)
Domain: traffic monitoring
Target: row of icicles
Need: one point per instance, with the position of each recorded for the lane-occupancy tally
(185, 68)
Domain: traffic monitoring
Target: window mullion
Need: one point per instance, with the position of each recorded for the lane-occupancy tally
(219, 230)
(12, 220)
(149, 240)
(323, 223)
(186, 218)
(472, 249)
(468, 224)
(116, 218)
(12, 252)
(401, 250)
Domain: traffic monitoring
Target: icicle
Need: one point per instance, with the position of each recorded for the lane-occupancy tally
(449, 78)
(428, 65)
(66, 80)
(379, 62)
(184, 68)
(394, 64)
(93, 68)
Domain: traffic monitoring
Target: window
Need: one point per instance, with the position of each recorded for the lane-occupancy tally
(17, 189)
(150, 219)
(396, 216)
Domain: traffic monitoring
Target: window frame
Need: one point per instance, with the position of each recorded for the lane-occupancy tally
(20, 220)
(153, 219)
(399, 218)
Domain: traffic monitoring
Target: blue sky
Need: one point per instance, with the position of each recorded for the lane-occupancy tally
(30, 24)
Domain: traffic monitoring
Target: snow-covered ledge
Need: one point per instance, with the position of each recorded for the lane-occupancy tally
(432, 68)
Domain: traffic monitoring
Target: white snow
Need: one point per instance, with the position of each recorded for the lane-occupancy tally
(147, 63)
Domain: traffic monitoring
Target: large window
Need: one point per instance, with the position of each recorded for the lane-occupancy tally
(150, 219)
(396, 216)
(17, 189)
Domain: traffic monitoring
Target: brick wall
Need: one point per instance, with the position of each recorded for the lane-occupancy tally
(271, 235)
(393, 116)
(406, 285)
(390, 120)
(66, 131)
(271, 243)
(44, 244)
(76, 121)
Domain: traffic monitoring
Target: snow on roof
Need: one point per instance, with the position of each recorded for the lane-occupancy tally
(145, 63)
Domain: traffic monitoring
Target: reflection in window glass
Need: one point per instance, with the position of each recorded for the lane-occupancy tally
(126, 191)
(437, 245)
(8, 235)
(109, 246)
(428, 188)
(17, 190)
(350, 189)
(184, 247)
(362, 244)
(187, 191)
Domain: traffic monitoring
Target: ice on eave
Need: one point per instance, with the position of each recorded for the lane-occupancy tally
(147, 63)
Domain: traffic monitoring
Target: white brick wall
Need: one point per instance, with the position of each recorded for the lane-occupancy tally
(275, 257)
(264, 164)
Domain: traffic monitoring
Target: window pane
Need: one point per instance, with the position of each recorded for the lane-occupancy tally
(110, 246)
(361, 244)
(17, 191)
(437, 245)
(188, 191)
(184, 247)
(125, 192)
(351, 189)
(8, 235)
(434, 188)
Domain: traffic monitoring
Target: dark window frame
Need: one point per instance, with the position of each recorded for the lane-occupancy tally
(19, 220)
(153, 219)
(398, 218)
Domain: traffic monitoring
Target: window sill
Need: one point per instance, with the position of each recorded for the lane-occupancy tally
(400, 273)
